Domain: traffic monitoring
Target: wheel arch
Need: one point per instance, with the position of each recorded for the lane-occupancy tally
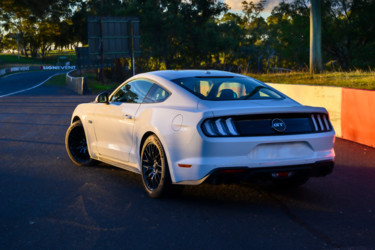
(144, 137)
(76, 118)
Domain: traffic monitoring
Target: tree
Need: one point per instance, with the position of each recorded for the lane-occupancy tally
(348, 32)
(288, 34)
(38, 28)
(316, 36)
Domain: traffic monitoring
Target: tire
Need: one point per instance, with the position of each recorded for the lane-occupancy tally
(154, 168)
(291, 182)
(76, 145)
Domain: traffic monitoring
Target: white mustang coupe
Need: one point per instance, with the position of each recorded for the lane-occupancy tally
(190, 126)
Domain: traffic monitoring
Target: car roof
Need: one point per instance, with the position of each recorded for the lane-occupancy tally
(176, 74)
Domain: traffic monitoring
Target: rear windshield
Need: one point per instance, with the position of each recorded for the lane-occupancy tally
(227, 88)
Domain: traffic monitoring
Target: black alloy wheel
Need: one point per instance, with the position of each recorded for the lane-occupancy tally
(154, 168)
(76, 145)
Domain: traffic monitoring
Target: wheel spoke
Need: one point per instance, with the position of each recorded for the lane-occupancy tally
(149, 174)
(146, 166)
(149, 152)
(147, 159)
(158, 169)
(154, 182)
(151, 166)
(158, 178)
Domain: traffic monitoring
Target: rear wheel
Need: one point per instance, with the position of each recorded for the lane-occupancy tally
(154, 168)
(76, 145)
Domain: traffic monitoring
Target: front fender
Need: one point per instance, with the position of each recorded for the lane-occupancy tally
(86, 114)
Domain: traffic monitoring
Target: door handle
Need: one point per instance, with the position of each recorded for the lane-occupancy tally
(127, 116)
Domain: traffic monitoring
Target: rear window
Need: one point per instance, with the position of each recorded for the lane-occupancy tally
(227, 88)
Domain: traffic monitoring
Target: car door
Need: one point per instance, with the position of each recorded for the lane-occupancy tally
(114, 122)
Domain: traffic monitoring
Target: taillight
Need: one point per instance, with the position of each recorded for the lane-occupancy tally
(219, 127)
(321, 122)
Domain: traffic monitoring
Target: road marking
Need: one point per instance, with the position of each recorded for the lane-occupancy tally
(11, 74)
(23, 90)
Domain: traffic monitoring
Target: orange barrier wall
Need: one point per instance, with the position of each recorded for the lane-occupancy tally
(358, 116)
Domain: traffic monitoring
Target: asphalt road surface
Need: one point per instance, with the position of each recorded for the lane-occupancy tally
(49, 203)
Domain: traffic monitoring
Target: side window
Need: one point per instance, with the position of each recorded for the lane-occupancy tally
(156, 94)
(132, 92)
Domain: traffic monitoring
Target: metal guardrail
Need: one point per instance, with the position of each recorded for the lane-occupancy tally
(77, 84)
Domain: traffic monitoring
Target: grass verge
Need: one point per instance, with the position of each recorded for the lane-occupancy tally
(94, 85)
(355, 79)
(10, 60)
(57, 80)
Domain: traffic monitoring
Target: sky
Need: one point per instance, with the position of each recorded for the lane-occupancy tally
(236, 5)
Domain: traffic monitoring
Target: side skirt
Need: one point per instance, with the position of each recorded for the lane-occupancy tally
(129, 167)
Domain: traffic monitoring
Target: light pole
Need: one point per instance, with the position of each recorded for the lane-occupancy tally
(316, 36)
(18, 45)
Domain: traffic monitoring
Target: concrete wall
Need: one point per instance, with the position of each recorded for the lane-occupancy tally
(77, 84)
(319, 96)
(351, 110)
(358, 116)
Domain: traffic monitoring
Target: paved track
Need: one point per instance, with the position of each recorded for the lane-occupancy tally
(19, 83)
(47, 202)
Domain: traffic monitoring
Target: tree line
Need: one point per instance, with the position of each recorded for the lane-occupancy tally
(202, 33)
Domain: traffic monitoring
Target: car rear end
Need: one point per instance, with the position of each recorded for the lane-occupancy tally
(265, 136)
(248, 144)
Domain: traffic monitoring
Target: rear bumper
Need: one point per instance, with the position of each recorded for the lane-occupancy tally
(194, 157)
(225, 175)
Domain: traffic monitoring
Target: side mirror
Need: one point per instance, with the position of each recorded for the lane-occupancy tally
(102, 98)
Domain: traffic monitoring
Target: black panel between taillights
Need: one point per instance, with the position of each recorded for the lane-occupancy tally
(261, 125)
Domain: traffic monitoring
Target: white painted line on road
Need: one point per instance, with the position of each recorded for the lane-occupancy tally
(12, 74)
(23, 90)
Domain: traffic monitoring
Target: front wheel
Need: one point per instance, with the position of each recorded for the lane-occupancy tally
(76, 145)
(154, 168)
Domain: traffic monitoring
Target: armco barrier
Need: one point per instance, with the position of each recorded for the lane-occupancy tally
(77, 84)
(351, 110)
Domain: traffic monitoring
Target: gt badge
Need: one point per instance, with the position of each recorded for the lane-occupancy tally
(278, 125)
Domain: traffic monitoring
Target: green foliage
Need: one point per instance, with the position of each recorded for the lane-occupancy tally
(354, 79)
(348, 32)
(34, 27)
(9, 60)
(179, 34)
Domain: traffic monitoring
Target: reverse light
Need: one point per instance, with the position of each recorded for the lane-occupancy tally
(282, 174)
